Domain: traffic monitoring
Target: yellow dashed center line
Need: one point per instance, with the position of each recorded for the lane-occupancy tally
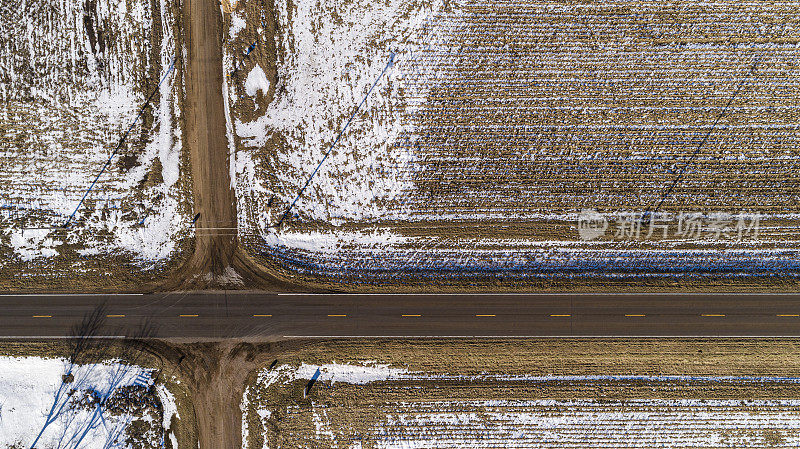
(634, 314)
(189, 316)
(43, 316)
(115, 316)
(485, 315)
(712, 314)
(560, 315)
(787, 315)
(338, 315)
(412, 315)
(262, 316)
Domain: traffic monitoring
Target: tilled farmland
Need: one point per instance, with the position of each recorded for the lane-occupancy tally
(75, 75)
(549, 424)
(526, 393)
(497, 123)
(386, 145)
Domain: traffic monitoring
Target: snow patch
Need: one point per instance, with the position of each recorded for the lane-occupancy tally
(237, 23)
(31, 244)
(256, 81)
(352, 374)
(27, 388)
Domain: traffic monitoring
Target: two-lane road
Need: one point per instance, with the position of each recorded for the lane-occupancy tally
(217, 315)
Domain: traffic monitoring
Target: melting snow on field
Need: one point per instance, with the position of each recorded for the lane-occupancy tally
(334, 55)
(28, 388)
(645, 423)
(64, 122)
(542, 423)
(500, 111)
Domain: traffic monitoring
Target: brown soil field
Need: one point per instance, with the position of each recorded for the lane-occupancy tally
(210, 381)
(359, 412)
(526, 110)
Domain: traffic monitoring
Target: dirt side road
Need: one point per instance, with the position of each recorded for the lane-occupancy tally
(218, 420)
(205, 119)
(216, 375)
(216, 261)
(219, 376)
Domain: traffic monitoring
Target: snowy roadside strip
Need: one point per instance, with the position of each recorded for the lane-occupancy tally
(373, 372)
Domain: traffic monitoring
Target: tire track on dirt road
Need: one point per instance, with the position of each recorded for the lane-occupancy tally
(218, 423)
(216, 261)
(214, 198)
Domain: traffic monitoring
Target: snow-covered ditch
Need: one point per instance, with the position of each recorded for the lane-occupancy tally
(510, 423)
(54, 404)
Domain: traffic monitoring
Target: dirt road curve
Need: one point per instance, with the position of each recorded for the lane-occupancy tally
(214, 199)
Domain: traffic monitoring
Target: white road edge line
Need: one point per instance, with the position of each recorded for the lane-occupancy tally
(72, 294)
(61, 337)
(797, 294)
(794, 337)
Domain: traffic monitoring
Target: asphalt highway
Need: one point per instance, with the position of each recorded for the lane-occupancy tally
(220, 315)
